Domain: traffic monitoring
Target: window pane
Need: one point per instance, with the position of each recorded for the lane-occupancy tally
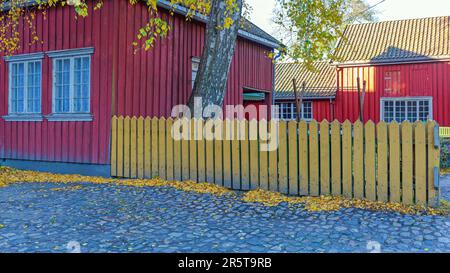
(195, 67)
(307, 110)
(400, 111)
(34, 87)
(72, 85)
(388, 111)
(408, 109)
(412, 111)
(62, 86)
(424, 110)
(81, 85)
(17, 88)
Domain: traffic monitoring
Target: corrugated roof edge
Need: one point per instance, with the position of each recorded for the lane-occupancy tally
(393, 61)
(259, 36)
(386, 61)
(307, 95)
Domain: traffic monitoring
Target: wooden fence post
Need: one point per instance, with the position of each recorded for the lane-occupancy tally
(370, 162)
(336, 152)
(382, 162)
(347, 174)
(293, 157)
(407, 164)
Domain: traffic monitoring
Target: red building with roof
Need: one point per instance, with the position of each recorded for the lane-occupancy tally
(57, 97)
(406, 65)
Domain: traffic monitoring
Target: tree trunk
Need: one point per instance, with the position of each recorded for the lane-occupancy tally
(212, 76)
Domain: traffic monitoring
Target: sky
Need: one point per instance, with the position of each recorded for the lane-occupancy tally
(389, 10)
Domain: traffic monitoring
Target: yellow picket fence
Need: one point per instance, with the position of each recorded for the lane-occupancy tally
(444, 132)
(385, 162)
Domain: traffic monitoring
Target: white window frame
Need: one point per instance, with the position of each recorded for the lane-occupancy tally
(195, 66)
(71, 55)
(294, 111)
(391, 78)
(24, 59)
(405, 99)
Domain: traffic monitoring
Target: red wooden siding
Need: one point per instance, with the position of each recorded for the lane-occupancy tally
(122, 83)
(165, 71)
(428, 80)
(322, 110)
(82, 142)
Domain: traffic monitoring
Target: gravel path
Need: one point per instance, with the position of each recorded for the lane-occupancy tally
(105, 218)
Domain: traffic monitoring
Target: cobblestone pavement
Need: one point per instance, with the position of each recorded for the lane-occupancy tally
(105, 218)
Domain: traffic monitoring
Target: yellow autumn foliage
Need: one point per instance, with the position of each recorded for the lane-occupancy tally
(332, 203)
(9, 176)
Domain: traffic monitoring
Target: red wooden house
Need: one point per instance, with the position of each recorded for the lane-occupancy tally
(406, 65)
(57, 97)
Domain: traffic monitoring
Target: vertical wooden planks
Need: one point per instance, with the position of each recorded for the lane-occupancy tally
(148, 148)
(162, 148)
(421, 170)
(303, 151)
(227, 178)
(293, 157)
(245, 155)
(193, 167)
(218, 151)
(336, 174)
(314, 159)
(358, 160)
(407, 164)
(263, 156)
(282, 158)
(325, 164)
(133, 151)
(235, 156)
(140, 147)
(347, 187)
(126, 147)
(433, 162)
(209, 160)
(394, 163)
(120, 147)
(201, 153)
(185, 151)
(254, 154)
(273, 160)
(114, 147)
(154, 156)
(370, 162)
(373, 158)
(176, 153)
(169, 144)
(382, 162)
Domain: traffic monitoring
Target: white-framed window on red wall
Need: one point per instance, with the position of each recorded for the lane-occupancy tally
(406, 109)
(71, 85)
(288, 110)
(24, 87)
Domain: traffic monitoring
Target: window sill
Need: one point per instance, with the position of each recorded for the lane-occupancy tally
(24, 117)
(69, 117)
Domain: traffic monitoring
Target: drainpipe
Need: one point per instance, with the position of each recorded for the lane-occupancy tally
(273, 80)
